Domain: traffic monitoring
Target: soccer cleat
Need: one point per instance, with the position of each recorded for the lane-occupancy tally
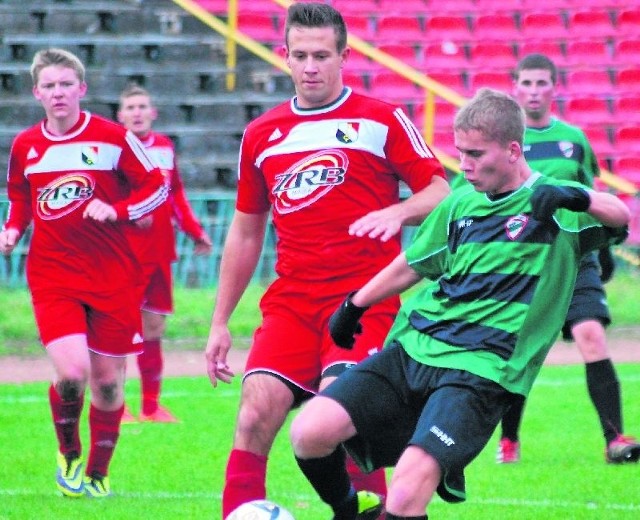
(97, 486)
(370, 506)
(622, 449)
(128, 417)
(161, 415)
(69, 478)
(508, 451)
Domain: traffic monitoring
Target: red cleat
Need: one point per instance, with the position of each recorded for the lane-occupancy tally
(161, 415)
(508, 451)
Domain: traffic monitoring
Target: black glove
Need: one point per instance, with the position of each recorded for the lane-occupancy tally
(548, 198)
(607, 264)
(344, 323)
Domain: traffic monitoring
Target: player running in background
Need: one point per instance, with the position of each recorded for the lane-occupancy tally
(155, 247)
(81, 179)
(562, 151)
(472, 337)
(328, 164)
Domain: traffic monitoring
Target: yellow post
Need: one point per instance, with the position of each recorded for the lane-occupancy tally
(231, 46)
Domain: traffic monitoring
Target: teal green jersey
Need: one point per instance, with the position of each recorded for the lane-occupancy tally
(499, 283)
(561, 151)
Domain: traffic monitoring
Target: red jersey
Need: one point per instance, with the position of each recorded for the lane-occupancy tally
(322, 169)
(52, 178)
(157, 244)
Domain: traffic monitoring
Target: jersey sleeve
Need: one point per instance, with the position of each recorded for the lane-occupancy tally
(428, 252)
(412, 159)
(253, 194)
(19, 193)
(147, 187)
(181, 209)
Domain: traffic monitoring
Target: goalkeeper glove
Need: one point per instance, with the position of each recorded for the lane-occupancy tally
(344, 323)
(548, 198)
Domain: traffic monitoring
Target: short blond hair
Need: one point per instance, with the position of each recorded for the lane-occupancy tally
(47, 57)
(134, 89)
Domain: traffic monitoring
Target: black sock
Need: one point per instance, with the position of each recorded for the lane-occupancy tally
(395, 517)
(512, 418)
(328, 476)
(604, 390)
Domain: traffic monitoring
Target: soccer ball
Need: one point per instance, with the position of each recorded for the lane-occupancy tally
(260, 510)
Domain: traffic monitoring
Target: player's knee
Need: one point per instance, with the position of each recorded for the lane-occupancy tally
(108, 392)
(69, 389)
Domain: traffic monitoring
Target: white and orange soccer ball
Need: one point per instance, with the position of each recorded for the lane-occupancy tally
(260, 510)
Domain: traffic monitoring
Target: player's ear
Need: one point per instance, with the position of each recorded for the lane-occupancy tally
(515, 151)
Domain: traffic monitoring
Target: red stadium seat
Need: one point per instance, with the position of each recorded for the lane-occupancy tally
(443, 140)
(217, 7)
(629, 22)
(496, 26)
(357, 7)
(627, 80)
(598, 137)
(454, 80)
(355, 81)
(589, 81)
(443, 56)
(443, 115)
(358, 62)
(590, 53)
(543, 24)
(417, 7)
(405, 53)
(493, 55)
(627, 139)
(484, 7)
(626, 109)
(465, 7)
(592, 23)
(359, 25)
(628, 168)
(550, 48)
(393, 88)
(443, 28)
(261, 27)
(398, 29)
(497, 80)
(626, 51)
(588, 110)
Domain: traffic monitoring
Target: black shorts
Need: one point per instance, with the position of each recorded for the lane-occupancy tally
(589, 301)
(394, 402)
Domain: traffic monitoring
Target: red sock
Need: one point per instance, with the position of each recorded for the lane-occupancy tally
(150, 364)
(375, 481)
(244, 480)
(66, 417)
(105, 430)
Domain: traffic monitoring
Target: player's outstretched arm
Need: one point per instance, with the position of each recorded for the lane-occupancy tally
(240, 257)
(387, 222)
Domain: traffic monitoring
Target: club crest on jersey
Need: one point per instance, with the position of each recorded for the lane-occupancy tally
(515, 226)
(347, 132)
(64, 195)
(90, 155)
(308, 180)
(566, 148)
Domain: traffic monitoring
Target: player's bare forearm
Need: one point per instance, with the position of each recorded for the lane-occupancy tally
(393, 279)
(420, 204)
(608, 209)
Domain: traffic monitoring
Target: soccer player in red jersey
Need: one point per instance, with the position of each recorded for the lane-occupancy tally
(156, 248)
(80, 179)
(327, 165)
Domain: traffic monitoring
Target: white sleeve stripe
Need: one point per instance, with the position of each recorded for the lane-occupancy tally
(139, 151)
(147, 205)
(415, 137)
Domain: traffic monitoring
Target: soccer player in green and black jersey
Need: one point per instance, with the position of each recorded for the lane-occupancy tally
(499, 259)
(562, 151)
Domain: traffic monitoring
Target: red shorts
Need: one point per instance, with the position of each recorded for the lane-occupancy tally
(293, 340)
(111, 321)
(157, 288)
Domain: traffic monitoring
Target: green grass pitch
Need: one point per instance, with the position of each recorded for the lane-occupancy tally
(175, 471)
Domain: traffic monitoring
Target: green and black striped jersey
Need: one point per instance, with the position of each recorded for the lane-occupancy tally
(499, 283)
(561, 151)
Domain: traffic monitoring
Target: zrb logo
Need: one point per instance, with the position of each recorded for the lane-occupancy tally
(308, 180)
(63, 195)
